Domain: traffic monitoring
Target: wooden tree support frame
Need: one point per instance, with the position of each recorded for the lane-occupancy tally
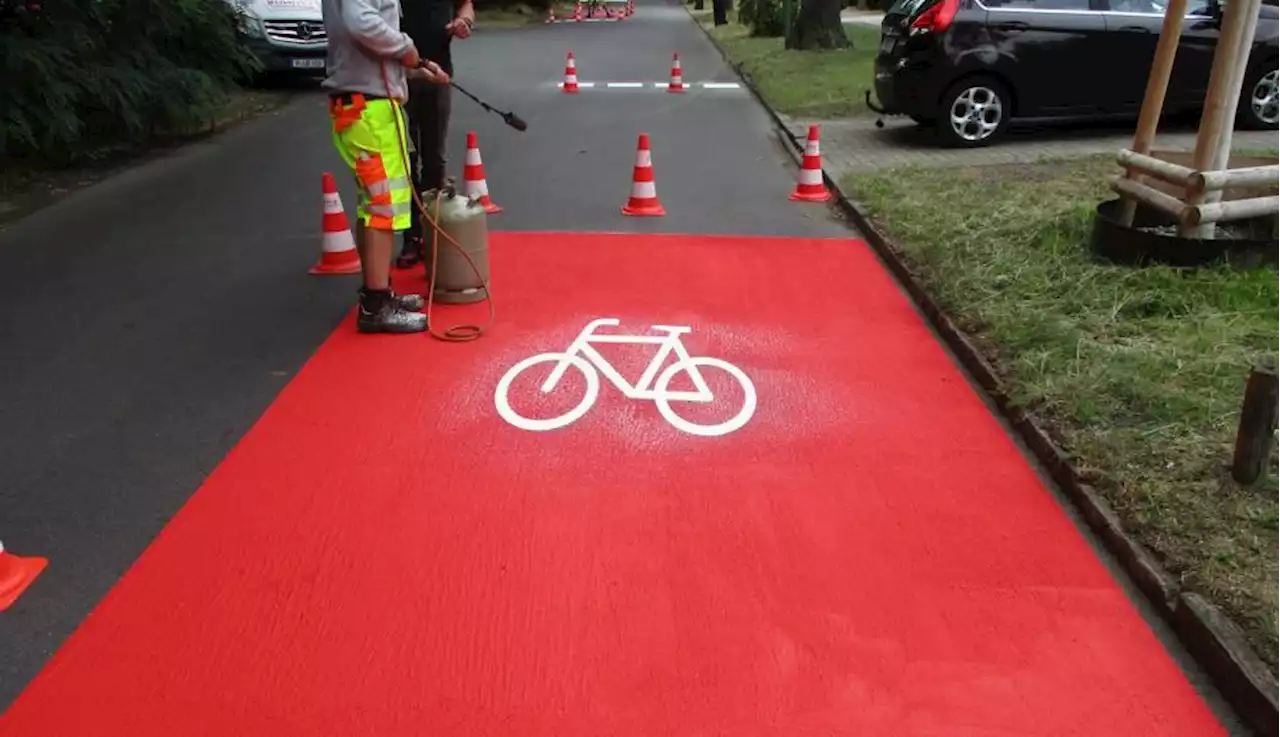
(1200, 207)
(1194, 209)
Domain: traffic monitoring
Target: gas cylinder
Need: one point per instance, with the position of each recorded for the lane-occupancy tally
(463, 220)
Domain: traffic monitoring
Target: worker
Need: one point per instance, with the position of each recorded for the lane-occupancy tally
(369, 64)
(432, 24)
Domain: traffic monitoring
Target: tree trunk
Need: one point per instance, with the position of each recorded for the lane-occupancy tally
(818, 26)
(720, 11)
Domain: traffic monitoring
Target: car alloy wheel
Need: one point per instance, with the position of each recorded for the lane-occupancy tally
(1266, 98)
(976, 113)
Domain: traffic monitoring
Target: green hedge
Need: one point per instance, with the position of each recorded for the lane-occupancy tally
(80, 75)
(764, 17)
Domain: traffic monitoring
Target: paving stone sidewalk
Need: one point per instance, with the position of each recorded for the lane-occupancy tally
(856, 145)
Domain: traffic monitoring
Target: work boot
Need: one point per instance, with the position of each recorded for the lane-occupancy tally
(412, 252)
(410, 302)
(380, 312)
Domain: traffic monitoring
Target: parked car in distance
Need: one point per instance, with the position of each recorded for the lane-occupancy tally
(969, 67)
(285, 35)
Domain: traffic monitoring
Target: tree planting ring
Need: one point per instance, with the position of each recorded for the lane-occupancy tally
(1154, 240)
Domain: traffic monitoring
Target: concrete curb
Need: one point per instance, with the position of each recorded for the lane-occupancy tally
(1217, 643)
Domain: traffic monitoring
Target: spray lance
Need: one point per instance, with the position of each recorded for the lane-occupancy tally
(511, 119)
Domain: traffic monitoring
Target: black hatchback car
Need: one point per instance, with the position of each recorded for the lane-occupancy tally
(968, 67)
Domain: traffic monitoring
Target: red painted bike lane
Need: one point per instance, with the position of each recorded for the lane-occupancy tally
(810, 526)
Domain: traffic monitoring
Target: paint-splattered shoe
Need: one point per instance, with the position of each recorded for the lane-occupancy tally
(382, 313)
(410, 302)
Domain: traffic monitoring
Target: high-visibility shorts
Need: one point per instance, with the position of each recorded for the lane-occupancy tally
(370, 137)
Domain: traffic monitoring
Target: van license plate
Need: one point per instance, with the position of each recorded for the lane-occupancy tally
(308, 63)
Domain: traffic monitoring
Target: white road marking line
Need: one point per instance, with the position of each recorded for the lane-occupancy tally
(661, 85)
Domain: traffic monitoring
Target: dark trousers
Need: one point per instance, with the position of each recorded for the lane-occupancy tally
(428, 111)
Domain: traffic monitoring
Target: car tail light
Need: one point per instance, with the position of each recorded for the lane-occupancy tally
(937, 19)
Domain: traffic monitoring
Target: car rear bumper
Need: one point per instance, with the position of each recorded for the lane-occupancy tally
(908, 87)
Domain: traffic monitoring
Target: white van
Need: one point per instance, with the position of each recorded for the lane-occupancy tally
(285, 35)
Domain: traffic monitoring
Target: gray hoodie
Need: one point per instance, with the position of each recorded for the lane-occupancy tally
(365, 40)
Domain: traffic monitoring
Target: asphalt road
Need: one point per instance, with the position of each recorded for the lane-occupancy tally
(149, 320)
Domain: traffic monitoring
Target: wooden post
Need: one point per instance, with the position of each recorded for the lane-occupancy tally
(1257, 426)
(1275, 225)
(1220, 101)
(1153, 101)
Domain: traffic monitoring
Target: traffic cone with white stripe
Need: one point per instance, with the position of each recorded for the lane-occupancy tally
(677, 82)
(570, 73)
(474, 185)
(338, 254)
(577, 12)
(551, 13)
(809, 185)
(644, 191)
(16, 574)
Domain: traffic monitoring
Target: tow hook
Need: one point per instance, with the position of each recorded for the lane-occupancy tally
(871, 105)
(875, 108)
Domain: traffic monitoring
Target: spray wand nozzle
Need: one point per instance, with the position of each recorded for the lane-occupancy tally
(511, 119)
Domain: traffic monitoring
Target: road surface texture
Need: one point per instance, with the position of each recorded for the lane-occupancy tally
(261, 523)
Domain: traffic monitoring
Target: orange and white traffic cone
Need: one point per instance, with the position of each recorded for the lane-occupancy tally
(473, 182)
(577, 12)
(644, 192)
(551, 13)
(570, 73)
(16, 574)
(677, 82)
(338, 254)
(809, 185)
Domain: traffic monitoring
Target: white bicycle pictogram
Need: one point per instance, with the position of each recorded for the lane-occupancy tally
(583, 356)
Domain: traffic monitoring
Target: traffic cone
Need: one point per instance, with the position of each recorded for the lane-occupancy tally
(551, 13)
(16, 574)
(570, 74)
(809, 185)
(473, 182)
(577, 12)
(338, 253)
(677, 83)
(644, 193)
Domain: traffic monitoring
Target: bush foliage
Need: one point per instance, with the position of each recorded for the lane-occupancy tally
(764, 17)
(80, 75)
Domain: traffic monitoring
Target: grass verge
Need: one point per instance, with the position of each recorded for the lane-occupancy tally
(804, 84)
(1137, 373)
(25, 189)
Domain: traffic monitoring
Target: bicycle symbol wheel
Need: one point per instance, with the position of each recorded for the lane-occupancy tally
(691, 364)
(524, 423)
